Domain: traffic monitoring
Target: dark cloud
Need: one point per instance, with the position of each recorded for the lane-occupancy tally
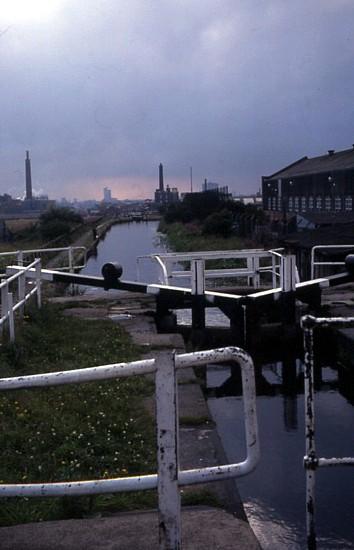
(104, 91)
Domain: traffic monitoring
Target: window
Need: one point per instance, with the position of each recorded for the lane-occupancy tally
(337, 203)
(291, 204)
(327, 203)
(296, 204)
(348, 203)
(311, 202)
(274, 203)
(318, 202)
(303, 204)
(269, 203)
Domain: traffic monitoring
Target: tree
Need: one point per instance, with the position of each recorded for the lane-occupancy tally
(56, 222)
(218, 223)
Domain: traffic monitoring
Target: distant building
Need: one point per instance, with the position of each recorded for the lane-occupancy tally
(212, 187)
(165, 196)
(28, 177)
(209, 186)
(107, 195)
(323, 184)
(31, 206)
(255, 200)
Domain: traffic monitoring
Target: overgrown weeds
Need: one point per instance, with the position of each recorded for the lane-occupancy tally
(77, 432)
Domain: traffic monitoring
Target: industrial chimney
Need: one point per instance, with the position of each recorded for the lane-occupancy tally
(28, 177)
(161, 188)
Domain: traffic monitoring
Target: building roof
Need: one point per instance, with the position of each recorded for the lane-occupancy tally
(332, 161)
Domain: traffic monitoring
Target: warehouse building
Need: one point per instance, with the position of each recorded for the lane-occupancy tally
(323, 184)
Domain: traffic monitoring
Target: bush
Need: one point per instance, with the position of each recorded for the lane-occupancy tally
(57, 222)
(55, 228)
(63, 214)
(218, 223)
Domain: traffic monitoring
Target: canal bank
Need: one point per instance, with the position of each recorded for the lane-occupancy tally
(216, 521)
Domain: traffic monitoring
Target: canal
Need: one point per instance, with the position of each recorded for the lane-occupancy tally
(273, 495)
(123, 243)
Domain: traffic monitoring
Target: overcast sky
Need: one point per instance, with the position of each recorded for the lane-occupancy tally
(101, 91)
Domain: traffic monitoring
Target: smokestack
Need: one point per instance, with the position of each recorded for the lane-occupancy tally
(161, 188)
(28, 177)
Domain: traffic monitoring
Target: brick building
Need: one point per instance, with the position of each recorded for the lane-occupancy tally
(322, 184)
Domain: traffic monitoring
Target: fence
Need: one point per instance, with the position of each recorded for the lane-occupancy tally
(311, 461)
(25, 255)
(316, 264)
(169, 477)
(171, 265)
(15, 301)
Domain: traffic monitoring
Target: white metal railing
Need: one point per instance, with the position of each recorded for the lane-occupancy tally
(311, 460)
(169, 477)
(15, 301)
(315, 263)
(171, 265)
(25, 255)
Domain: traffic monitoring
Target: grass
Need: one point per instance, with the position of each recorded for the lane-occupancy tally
(189, 238)
(87, 431)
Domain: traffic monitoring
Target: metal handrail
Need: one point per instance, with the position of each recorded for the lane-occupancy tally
(311, 460)
(314, 249)
(252, 270)
(8, 307)
(21, 254)
(167, 427)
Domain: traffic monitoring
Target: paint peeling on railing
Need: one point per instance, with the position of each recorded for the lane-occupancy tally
(311, 461)
(166, 483)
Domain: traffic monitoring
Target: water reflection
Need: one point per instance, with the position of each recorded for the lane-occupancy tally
(123, 243)
(274, 495)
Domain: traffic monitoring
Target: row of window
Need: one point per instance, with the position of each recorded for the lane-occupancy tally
(302, 204)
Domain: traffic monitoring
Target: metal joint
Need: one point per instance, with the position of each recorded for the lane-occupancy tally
(310, 462)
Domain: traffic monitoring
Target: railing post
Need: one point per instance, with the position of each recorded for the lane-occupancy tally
(167, 453)
(71, 264)
(10, 304)
(313, 249)
(21, 291)
(310, 460)
(288, 272)
(198, 289)
(256, 278)
(274, 275)
(4, 302)
(253, 265)
(288, 278)
(39, 283)
(20, 257)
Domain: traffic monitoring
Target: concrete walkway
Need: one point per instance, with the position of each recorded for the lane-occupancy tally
(202, 529)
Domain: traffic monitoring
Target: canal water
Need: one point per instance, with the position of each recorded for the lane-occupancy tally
(273, 495)
(123, 243)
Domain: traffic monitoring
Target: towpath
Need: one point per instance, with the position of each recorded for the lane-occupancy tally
(206, 527)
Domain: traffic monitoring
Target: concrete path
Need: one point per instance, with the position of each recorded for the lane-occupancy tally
(202, 529)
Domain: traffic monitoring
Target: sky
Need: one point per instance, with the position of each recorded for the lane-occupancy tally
(101, 91)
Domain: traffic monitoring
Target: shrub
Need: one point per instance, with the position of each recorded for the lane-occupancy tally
(218, 223)
(58, 221)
